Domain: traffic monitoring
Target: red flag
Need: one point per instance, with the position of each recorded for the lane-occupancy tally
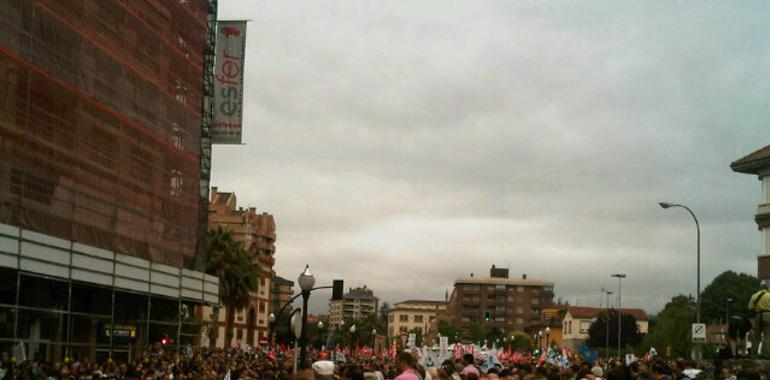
(271, 354)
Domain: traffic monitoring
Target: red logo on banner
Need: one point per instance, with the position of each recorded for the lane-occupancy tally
(231, 32)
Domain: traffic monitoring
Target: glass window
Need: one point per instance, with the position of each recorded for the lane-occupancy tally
(403, 318)
(418, 318)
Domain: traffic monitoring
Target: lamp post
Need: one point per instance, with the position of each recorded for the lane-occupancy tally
(665, 205)
(727, 317)
(607, 344)
(620, 276)
(352, 331)
(320, 331)
(374, 337)
(540, 340)
(547, 337)
(271, 320)
(306, 282)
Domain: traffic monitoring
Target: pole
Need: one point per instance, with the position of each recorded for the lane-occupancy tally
(303, 336)
(295, 357)
(607, 349)
(620, 314)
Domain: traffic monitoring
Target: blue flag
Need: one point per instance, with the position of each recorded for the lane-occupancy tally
(587, 354)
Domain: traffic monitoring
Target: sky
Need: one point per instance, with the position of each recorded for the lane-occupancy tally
(401, 145)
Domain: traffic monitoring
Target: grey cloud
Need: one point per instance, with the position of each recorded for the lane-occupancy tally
(401, 145)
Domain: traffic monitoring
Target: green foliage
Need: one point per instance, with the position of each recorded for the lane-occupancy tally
(476, 332)
(729, 284)
(521, 342)
(384, 309)
(449, 330)
(597, 332)
(363, 334)
(234, 265)
(672, 328)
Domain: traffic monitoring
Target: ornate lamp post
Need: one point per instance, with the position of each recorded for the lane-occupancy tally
(306, 282)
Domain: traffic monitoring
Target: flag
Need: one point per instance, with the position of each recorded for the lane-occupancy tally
(340, 357)
(586, 353)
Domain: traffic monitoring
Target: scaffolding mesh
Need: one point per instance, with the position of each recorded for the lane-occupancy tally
(100, 122)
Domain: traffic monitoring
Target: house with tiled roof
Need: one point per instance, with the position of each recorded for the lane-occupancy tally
(578, 319)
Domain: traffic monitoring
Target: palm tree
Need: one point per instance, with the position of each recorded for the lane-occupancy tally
(234, 265)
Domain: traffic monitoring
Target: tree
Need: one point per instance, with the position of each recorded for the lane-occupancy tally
(597, 332)
(672, 328)
(448, 330)
(521, 342)
(729, 284)
(477, 332)
(234, 265)
(384, 310)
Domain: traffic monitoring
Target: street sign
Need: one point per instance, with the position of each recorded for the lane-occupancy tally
(699, 333)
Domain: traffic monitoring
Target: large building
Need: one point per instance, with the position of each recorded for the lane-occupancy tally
(100, 175)
(497, 301)
(256, 231)
(283, 290)
(355, 304)
(414, 316)
(758, 163)
(578, 319)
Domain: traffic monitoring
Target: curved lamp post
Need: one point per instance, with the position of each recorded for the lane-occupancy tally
(665, 205)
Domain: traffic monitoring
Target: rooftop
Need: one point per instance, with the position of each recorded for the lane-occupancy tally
(582, 312)
(361, 294)
(753, 162)
(503, 281)
(282, 281)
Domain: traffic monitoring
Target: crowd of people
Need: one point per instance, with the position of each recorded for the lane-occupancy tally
(239, 365)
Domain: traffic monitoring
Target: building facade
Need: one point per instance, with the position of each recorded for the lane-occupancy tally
(256, 231)
(283, 290)
(497, 301)
(100, 151)
(355, 304)
(758, 163)
(577, 320)
(414, 315)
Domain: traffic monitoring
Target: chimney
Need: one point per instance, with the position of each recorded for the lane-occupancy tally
(524, 276)
(495, 272)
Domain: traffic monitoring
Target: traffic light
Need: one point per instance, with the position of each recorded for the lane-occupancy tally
(337, 288)
(164, 340)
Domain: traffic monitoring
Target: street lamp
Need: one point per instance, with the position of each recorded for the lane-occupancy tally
(696, 348)
(540, 339)
(374, 337)
(320, 325)
(548, 336)
(306, 282)
(620, 276)
(607, 348)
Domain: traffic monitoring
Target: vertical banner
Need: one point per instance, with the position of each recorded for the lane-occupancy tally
(228, 82)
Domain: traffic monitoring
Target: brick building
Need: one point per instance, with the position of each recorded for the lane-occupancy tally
(355, 304)
(283, 290)
(497, 301)
(257, 233)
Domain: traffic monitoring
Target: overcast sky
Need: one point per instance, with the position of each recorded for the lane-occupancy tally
(403, 144)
